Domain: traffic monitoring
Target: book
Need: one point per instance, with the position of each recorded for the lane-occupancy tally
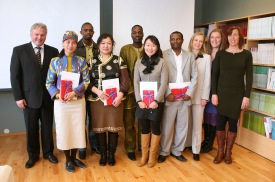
(148, 92)
(112, 92)
(271, 79)
(65, 87)
(273, 129)
(148, 97)
(268, 126)
(179, 89)
(179, 92)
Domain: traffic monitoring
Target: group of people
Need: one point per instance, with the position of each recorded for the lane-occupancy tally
(167, 125)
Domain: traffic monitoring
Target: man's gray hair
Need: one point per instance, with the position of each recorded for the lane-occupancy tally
(39, 25)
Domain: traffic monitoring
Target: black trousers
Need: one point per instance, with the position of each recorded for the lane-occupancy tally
(150, 125)
(32, 117)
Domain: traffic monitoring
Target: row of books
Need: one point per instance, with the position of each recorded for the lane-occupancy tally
(259, 123)
(242, 25)
(264, 53)
(224, 28)
(262, 101)
(262, 27)
(264, 77)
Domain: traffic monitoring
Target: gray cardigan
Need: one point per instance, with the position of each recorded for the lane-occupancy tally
(159, 74)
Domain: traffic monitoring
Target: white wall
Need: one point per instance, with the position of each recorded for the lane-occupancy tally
(17, 17)
(157, 17)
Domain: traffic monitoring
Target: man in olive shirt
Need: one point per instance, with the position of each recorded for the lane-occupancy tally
(87, 48)
(130, 54)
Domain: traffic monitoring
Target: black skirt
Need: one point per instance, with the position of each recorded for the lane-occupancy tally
(151, 114)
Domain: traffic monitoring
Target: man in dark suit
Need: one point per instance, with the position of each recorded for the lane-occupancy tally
(28, 70)
(88, 49)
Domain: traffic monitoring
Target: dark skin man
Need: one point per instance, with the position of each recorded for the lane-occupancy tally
(176, 41)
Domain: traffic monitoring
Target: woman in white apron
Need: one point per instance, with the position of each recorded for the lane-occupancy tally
(69, 104)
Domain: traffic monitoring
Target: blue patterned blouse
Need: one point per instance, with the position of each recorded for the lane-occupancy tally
(61, 64)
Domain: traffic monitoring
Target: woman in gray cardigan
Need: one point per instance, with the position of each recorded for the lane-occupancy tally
(150, 68)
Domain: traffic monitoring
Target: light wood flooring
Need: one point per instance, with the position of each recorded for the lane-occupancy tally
(246, 166)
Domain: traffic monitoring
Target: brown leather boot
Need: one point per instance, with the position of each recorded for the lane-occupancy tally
(229, 145)
(153, 150)
(145, 140)
(221, 142)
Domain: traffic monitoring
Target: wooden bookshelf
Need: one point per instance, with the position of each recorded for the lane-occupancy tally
(262, 39)
(257, 143)
(267, 65)
(261, 112)
(247, 138)
(264, 89)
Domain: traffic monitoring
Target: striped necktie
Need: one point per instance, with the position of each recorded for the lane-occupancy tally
(38, 55)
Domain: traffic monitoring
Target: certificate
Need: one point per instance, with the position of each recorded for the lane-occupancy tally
(74, 77)
(69, 77)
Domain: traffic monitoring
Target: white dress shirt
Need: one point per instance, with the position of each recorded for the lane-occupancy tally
(178, 60)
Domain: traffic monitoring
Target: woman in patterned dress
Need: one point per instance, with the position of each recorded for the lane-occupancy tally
(107, 119)
(69, 112)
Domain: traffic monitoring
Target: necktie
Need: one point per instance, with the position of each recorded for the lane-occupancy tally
(38, 55)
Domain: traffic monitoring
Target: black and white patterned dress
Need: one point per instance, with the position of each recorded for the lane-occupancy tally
(107, 118)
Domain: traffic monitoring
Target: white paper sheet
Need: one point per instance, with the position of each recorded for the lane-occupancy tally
(74, 77)
(179, 85)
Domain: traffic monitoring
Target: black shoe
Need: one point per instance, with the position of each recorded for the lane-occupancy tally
(78, 163)
(189, 148)
(180, 157)
(30, 163)
(70, 167)
(161, 158)
(196, 157)
(82, 154)
(132, 156)
(207, 148)
(95, 149)
(51, 158)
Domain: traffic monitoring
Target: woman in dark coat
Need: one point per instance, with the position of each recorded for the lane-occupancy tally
(229, 92)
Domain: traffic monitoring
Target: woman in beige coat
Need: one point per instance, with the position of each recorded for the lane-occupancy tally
(201, 96)
(150, 68)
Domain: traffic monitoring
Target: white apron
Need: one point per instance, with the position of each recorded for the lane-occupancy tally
(70, 124)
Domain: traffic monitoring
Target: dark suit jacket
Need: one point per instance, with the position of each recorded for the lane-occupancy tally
(81, 50)
(27, 77)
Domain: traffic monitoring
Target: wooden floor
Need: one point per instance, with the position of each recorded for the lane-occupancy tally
(246, 166)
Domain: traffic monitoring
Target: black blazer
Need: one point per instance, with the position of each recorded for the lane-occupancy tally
(27, 77)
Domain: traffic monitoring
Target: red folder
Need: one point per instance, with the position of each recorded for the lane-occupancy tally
(112, 92)
(148, 97)
(179, 92)
(65, 87)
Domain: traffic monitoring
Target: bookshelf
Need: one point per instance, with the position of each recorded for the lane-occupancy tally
(265, 89)
(255, 33)
(261, 112)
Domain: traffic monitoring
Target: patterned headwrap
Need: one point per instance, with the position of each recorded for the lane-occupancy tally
(70, 35)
